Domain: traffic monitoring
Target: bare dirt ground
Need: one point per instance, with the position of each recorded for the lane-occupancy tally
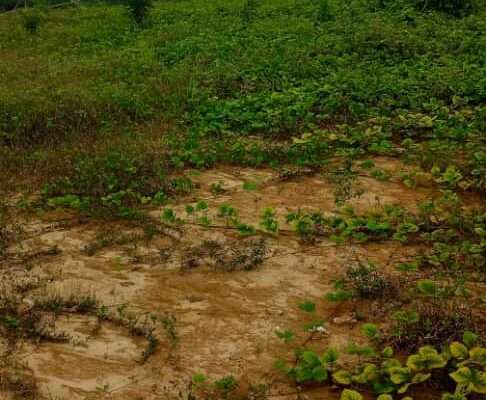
(213, 311)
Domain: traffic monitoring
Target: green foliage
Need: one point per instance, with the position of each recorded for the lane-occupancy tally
(285, 335)
(371, 331)
(226, 384)
(386, 376)
(217, 188)
(307, 306)
(348, 394)
(426, 359)
(114, 182)
(268, 221)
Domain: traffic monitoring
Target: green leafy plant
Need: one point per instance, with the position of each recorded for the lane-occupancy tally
(268, 221)
(386, 376)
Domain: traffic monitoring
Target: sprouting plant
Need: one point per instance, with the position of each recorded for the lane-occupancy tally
(307, 225)
(217, 188)
(204, 220)
(226, 384)
(169, 216)
(450, 178)
(245, 229)
(227, 211)
(268, 221)
(250, 186)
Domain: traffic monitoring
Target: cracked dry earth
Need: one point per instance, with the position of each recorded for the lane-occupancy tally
(226, 308)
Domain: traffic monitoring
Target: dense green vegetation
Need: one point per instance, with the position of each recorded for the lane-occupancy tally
(371, 76)
(104, 107)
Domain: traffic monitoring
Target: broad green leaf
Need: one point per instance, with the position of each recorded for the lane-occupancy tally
(319, 374)
(478, 354)
(342, 377)
(368, 374)
(427, 358)
(461, 376)
(303, 374)
(384, 397)
(387, 352)
(399, 375)
(350, 395)
(330, 356)
(402, 389)
(469, 338)
(310, 358)
(458, 350)
(420, 377)
(472, 379)
(392, 362)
